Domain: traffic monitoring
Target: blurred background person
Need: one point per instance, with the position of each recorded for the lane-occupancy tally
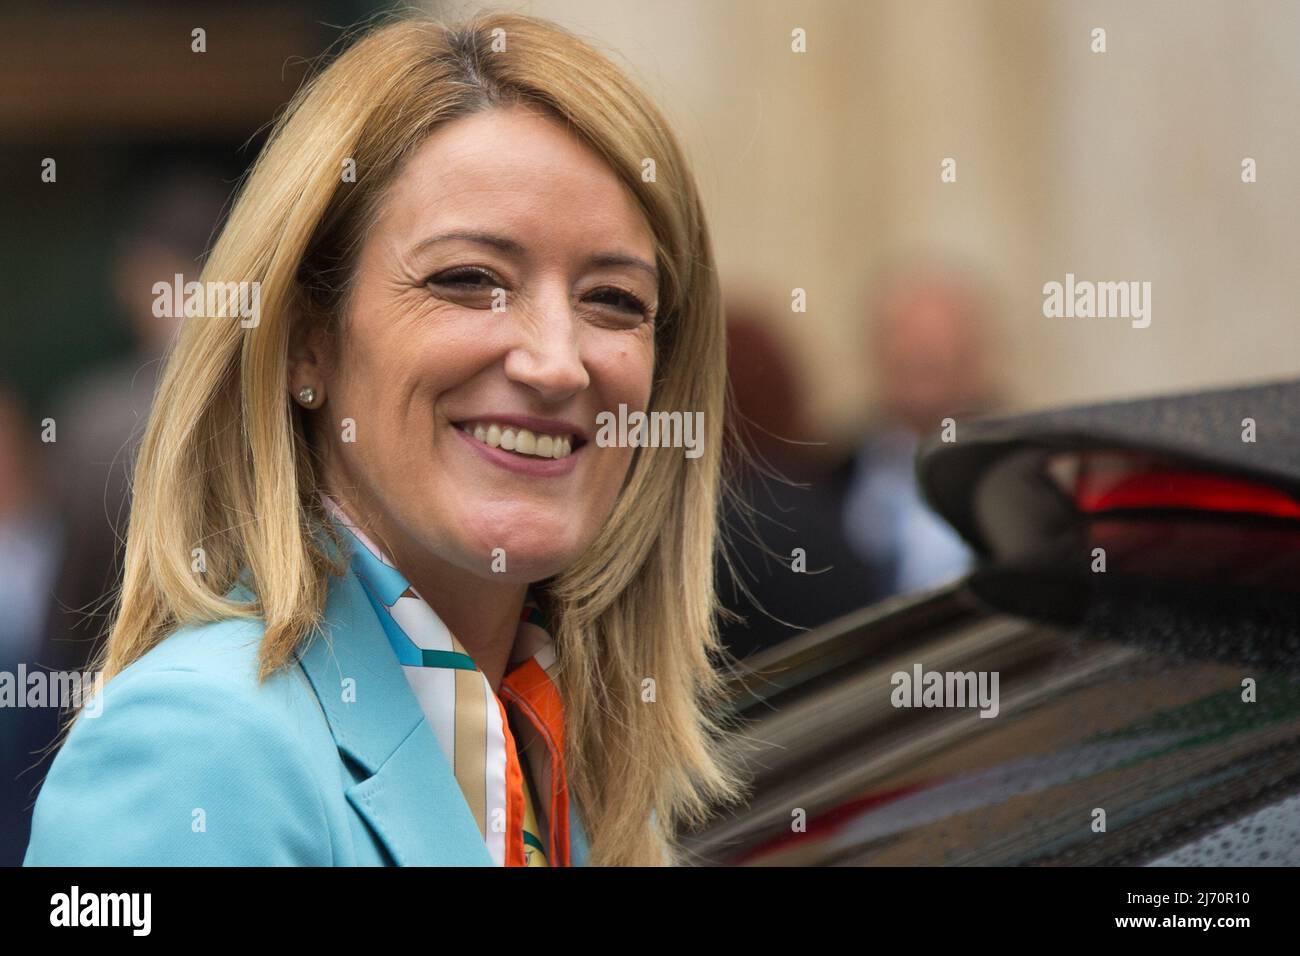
(29, 546)
(784, 503)
(101, 415)
(928, 345)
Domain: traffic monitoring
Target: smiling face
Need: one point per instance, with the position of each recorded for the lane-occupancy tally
(504, 296)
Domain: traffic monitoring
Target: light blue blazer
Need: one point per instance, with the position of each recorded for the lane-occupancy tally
(192, 763)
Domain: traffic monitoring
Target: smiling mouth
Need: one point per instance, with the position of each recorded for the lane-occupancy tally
(522, 441)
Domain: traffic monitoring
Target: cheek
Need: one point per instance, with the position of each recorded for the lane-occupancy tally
(623, 371)
(622, 374)
(379, 409)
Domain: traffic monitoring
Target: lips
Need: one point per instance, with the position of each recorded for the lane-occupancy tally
(531, 446)
(559, 442)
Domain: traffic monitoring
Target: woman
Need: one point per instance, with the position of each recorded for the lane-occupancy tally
(386, 597)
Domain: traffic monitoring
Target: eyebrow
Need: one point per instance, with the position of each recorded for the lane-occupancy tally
(511, 247)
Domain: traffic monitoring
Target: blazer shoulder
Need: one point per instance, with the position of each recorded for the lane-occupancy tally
(185, 758)
(227, 648)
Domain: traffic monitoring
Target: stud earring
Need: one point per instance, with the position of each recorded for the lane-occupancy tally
(307, 395)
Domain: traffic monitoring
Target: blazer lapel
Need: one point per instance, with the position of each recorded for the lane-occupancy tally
(411, 799)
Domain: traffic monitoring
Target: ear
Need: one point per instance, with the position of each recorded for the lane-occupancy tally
(311, 359)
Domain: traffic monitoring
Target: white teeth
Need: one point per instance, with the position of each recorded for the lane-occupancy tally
(521, 441)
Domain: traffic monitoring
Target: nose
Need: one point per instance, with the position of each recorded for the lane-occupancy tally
(546, 355)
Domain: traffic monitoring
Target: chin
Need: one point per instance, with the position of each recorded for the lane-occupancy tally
(527, 567)
(531, 553)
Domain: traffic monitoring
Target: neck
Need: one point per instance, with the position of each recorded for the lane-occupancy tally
(483, 614)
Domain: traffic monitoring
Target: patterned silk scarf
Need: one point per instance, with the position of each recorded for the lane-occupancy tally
(481, 733)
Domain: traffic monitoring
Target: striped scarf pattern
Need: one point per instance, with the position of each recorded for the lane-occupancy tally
(483, 735)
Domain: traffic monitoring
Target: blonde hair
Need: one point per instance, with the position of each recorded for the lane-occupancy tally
(226, 465)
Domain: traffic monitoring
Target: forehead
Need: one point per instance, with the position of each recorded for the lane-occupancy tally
(518, 171)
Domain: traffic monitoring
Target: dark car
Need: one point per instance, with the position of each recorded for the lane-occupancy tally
(1136, 615)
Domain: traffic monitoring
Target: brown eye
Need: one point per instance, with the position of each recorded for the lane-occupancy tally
(466, 280)
(622, 301)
